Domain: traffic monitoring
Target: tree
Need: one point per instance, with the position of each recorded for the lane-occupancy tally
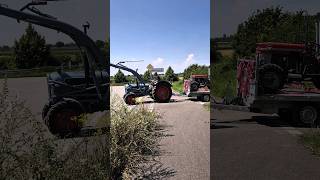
(100, 44)
(215, 56)
(272, 24)
(147, 75)
(59, 44)
(170, 75)
(120, 77)
(31, 50)
(195, 69)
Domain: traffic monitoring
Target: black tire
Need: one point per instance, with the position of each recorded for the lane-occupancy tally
(45, 110)
(206, 98)
(130, 99)
(162, 93)
(60, 116)
(194, 86)
(309, 115)
(316, 82)
(271, 78)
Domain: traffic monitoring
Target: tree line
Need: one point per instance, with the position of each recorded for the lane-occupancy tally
(31, 51)
(271, 24)
(169, 75)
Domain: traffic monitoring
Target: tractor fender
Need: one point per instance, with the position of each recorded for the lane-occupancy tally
(126, 94)
(167, 83)
(74, 101)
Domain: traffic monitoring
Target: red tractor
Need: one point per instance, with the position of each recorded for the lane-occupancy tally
(280, 63)
(198, 86)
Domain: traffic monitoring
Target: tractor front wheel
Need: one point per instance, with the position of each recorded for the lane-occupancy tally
(130, 99)
(162, 93)
(62, 119)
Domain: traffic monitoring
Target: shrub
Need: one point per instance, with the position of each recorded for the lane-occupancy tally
(135, 137)
(7, 62)
(29, 151)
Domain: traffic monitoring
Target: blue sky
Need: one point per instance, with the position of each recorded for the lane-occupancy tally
(163, 33)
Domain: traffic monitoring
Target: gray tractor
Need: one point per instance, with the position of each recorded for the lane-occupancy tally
(70, 93)
(159, 90)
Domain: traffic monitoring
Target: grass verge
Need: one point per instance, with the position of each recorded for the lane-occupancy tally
(224, 78)
(178, 86)
(311, 140)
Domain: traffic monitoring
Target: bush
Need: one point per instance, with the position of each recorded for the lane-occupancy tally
(7, 62)
(135, 137)
(29, 151)
(224, 77)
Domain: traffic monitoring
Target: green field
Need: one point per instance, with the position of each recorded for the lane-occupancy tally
(178, 86)
(226, 52)
(224, 78)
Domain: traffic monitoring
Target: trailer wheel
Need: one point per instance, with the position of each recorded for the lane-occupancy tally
(61, 117)
(308, 115)
(271, 78)
(206, 98)
(130, 99)
(162, 93)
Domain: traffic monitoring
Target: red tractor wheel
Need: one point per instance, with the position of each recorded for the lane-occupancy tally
(130, 99)
(162, 93)
(62, 118)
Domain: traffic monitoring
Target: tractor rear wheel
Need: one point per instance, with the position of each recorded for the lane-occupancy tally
(61, 117)
(271, 78)
(194, 86)
(162, 93)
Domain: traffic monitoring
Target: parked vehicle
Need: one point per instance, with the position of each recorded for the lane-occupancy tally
(157, 89)
(274, 82)
(198, 86)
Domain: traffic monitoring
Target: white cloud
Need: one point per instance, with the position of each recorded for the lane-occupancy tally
(189, 60)
(158, 62)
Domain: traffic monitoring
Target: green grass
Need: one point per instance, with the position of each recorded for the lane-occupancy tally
(311, 140)
(224, 78)
(178, 86)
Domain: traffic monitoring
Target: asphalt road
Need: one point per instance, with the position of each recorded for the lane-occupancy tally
(186, 149)
(255, 146)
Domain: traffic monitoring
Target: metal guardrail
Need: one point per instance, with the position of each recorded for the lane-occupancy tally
(34, 72)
